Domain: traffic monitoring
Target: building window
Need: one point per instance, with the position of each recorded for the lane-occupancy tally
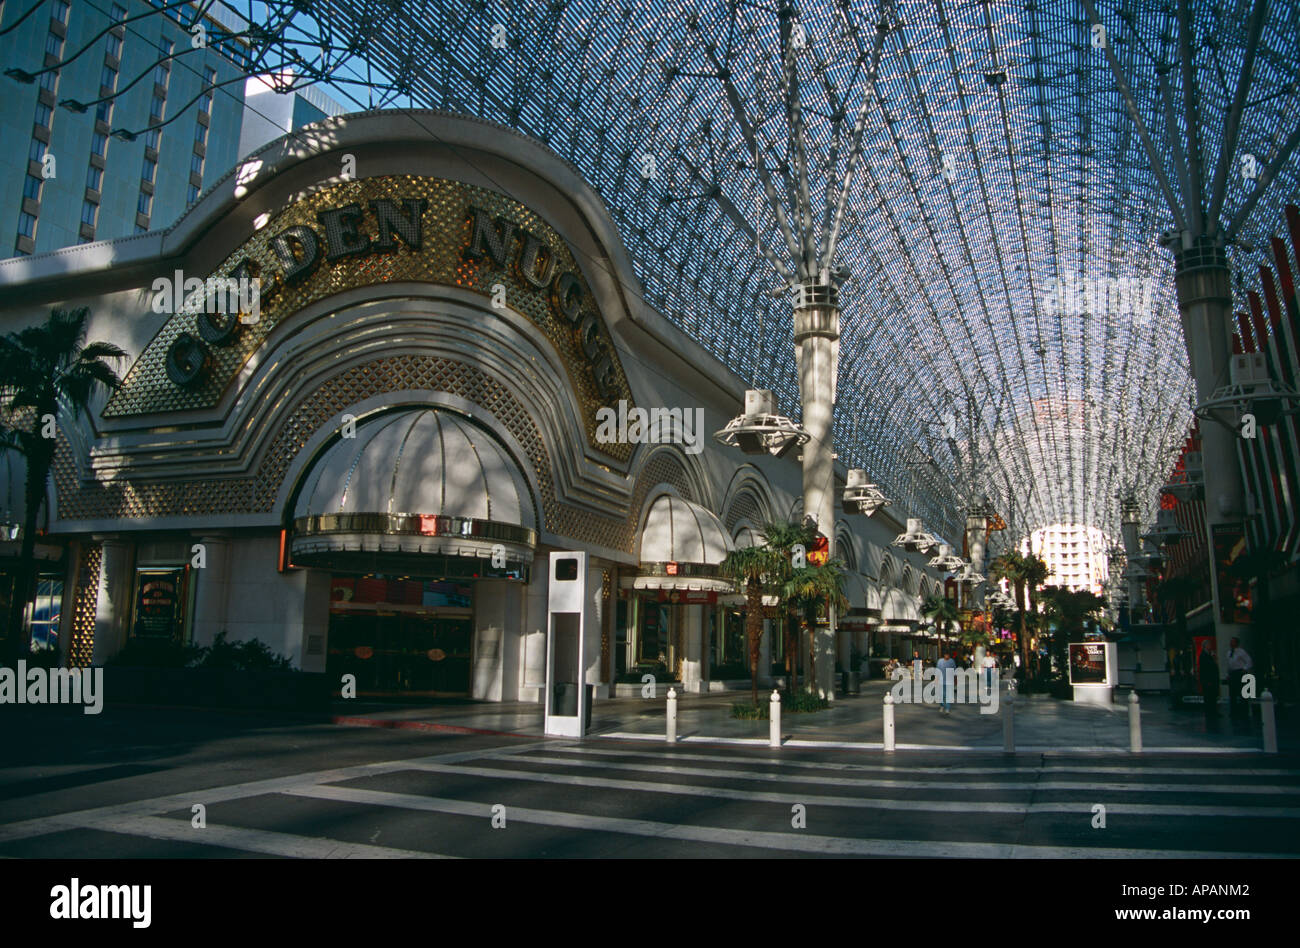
(192, 194)
(156, 108)
(94, 178)
(104, 112)
(99, 144)
(196, 163)
(32, 187)
(162, 72)
(53, 44)
(151, 139)
(114, 46)
(36, 152)
(210, 82)
(200, 133)
(144, 203)
(89, 211)
(150, 170)
(60, 11)
(141, 229)
(108, 77)
(26, 225)
(50, 81)
(43, 113)
(46, 612)
(118, 14)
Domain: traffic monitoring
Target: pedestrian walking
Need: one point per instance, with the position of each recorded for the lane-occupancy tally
(990, 665)
(947, 668)
(1239, 663)
(1209, 675)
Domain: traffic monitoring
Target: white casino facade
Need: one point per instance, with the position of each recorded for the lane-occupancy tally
(376, 469)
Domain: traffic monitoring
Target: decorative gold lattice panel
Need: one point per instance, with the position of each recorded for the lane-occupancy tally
(82, 648)
(445, 234)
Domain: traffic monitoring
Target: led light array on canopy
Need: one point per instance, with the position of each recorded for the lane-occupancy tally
(1002, 221)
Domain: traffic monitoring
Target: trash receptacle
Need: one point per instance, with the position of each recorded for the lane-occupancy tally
(565, 702)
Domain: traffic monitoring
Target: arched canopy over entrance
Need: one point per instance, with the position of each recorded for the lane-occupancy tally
(682, 546)
(420, 482)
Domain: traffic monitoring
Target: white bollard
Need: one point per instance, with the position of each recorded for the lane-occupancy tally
(774, 709)
(1268, 712)
(672, 716)
(1009, 722)
(1134, 723)
(889, 722)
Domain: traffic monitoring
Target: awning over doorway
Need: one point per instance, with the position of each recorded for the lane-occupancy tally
(682, 547)
(899, 611)
(421, 481)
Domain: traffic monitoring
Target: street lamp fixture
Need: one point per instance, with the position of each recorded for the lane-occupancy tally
(946, 560)
(915, 538)
(861, 496)
(1250, 391)
(760, 430)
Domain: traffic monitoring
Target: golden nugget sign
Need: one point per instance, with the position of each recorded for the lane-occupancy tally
(375, 231)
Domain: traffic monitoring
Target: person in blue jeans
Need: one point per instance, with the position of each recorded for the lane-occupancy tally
(947, 668)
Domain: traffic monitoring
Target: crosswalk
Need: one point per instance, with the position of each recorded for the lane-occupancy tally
(601, 798)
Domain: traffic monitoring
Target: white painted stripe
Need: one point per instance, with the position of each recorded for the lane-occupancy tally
(788, 842)
(994, 748)
(40, 826)
(1082, 767)
(922, 806)
(1033, 785)
(252, 840)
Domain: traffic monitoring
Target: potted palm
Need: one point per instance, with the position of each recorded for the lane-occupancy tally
(811, 590)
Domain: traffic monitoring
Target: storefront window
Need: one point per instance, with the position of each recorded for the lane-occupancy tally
(655, 639)
(776, 636)
(728, 657)
(622, 610)
(399, 635)
(46, 612)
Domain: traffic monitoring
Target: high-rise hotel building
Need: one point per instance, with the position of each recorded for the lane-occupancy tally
(117, 119)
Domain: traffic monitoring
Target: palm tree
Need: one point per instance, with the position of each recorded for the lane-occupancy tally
(783, 537)
(809, 589)
(1069, 608)
(763, 568)
(46, 370)
(1025, 572)
(942, 612)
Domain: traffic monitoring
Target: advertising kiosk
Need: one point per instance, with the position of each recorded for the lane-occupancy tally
(568, 702)
(1094, 671)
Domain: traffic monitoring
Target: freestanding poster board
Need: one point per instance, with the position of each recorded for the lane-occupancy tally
(1094, 671)
(565, 711)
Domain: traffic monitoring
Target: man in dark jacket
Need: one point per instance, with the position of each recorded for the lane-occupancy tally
(1209, 674)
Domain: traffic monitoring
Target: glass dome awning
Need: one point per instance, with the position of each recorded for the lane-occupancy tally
(1001, 234)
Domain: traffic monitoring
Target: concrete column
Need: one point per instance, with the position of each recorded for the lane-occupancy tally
(692, 677)
(113, 599)
(816, 339)
(315, 620)
(595, 622)
(976, 542)
(495, 605)
(1205, 300)
(211, 589)
(532, 644)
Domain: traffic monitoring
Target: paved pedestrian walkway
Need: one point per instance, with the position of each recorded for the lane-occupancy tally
(1042, 724)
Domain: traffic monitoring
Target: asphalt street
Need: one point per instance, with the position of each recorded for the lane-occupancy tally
(126, 784)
